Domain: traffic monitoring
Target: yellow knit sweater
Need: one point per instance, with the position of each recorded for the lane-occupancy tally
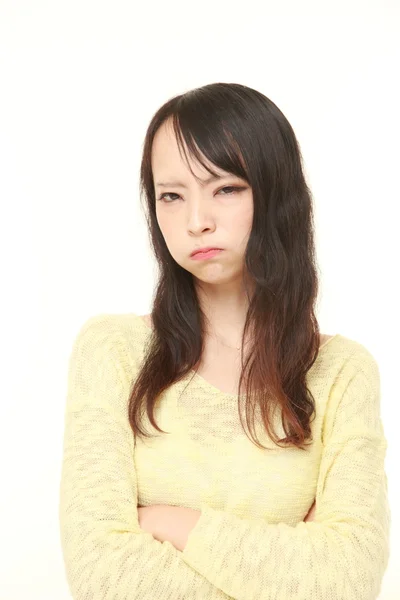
(250, 542)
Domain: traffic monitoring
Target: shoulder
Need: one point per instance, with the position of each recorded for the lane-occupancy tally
(119, 336)
(115, 325)
(356, 376)
(98, 324)
(107, 338)
(97, 341)
(101, 365)
(147, 319)
(358, 356)
(344, 365)
(324, 337)
(352, 392)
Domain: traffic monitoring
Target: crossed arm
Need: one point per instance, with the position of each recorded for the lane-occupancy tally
(174, 523)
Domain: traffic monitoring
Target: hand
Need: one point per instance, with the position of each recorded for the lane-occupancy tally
(310, 514)
(168, 523)
(149, 518)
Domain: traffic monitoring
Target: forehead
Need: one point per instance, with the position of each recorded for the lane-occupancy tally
(166, 158)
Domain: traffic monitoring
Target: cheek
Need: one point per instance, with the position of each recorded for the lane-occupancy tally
(165, 225)
(169, 229)
(241, 223)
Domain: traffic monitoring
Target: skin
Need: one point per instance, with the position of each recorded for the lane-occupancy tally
(174, 523)
(205, 215)
(168, 523)
(191, 217)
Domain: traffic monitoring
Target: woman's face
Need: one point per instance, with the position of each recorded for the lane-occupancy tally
(194, 215)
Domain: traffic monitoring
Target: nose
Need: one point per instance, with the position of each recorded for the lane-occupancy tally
(200, 217)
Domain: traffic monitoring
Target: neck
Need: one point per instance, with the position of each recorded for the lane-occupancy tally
(225, 308)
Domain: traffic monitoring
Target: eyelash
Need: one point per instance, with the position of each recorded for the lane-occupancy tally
(231, 187)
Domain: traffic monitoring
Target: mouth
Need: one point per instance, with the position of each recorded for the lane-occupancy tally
(206, 253)
(204, 250)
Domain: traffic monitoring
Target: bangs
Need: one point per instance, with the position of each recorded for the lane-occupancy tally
(207, 142)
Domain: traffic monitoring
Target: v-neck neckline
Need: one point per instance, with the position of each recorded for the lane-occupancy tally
(206, 384)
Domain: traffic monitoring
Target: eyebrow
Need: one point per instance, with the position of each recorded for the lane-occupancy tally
(182, 185)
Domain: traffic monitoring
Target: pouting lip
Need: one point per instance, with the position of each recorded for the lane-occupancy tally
(207, 249)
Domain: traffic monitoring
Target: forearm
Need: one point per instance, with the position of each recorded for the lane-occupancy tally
(174, 523)
(168, 523)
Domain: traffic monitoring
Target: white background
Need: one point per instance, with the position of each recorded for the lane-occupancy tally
(79, 82)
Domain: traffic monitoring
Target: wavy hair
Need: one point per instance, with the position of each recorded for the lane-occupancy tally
(241, 131)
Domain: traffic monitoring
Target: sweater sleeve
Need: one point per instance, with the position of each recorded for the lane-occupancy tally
(107, 556)
(344, 552)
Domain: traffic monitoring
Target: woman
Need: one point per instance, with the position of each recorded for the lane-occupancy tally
(299, 508)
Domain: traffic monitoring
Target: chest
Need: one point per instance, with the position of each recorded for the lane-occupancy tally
(221, 368)
(224, 468)
(207, 457)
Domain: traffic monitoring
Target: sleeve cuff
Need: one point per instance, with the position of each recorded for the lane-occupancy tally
(205, 539)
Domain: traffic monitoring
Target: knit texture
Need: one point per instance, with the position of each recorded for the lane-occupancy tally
(250, 542)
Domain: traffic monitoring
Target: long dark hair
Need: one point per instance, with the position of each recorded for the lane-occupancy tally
(241, 131)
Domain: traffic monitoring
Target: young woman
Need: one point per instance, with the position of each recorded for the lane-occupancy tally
(263, 477)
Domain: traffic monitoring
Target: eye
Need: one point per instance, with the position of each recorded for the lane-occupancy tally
(167, 194)
(227, 187)
(231, 187)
